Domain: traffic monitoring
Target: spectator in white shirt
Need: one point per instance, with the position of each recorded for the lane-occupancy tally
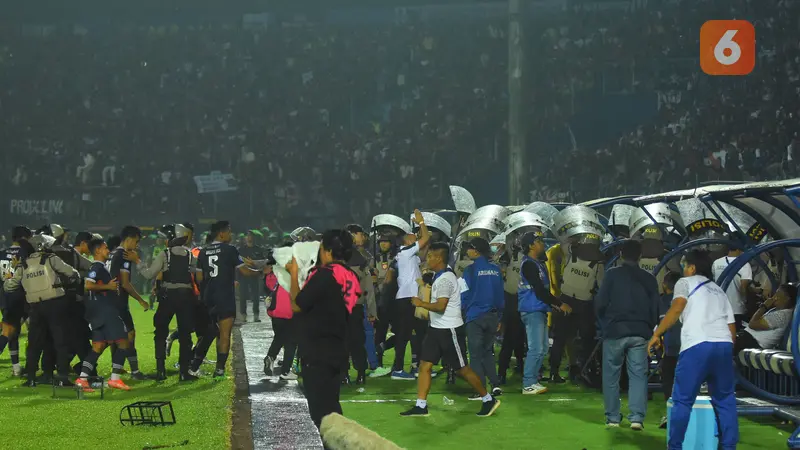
(768, 326)
(707, 335)
(446, 337)
(401, 311)
(82, 172)
(737, 290)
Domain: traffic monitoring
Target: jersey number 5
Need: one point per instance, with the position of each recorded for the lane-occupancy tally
(212, 260)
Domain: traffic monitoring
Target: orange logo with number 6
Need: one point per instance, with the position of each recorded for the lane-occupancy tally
(727, 47)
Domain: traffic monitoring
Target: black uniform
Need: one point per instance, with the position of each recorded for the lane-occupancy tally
(179, 300)
(120, 264)
(218, 263)
(249, 287)
(12, 304)
(102, 310)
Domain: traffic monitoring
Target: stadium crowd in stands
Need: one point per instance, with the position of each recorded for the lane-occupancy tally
(371, 107)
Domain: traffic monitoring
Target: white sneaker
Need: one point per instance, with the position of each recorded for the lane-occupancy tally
(380, 372)
(198, 373)
(291, 376)
(536, 389)
(636, 426)
(16, 371)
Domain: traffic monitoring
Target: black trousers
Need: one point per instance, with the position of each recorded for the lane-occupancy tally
(565, 327)
(401, 319)
(249, 290)
(205, 328)
(513, 340)
(81, 334)
(744, 340)
(382, 325)
(321, 384)
(49, 318)
(178, 303)
(356, 339)
(286, 339)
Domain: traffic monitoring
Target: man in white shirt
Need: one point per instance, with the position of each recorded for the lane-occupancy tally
(401, 311)
(706, 355)
(737, 290)
(446, 337)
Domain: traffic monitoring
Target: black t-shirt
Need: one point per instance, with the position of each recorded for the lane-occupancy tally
(219, 263)
(117, 266)
(101, 303)
(322, 324)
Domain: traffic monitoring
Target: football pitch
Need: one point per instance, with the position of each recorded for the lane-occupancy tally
(567, 417)
(33, 419)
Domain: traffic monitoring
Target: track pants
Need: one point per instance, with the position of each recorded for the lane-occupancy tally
(710, 362)
(355, 339)
(249, 291)
(565, 327)
(284, 338)
(322, 384)
(177, 303)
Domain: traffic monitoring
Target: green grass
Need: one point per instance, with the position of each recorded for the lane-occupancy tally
(568, 417)
(32, 419)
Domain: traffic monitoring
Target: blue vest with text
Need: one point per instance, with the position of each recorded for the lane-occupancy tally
(528, 301)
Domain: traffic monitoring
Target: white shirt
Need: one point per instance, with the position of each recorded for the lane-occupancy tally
(446, 286)
(734, 294)
(408, 271)
(707, 314)
(778, 321)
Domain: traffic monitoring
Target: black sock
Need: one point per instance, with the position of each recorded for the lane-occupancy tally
(161, 365)
(133, 359)
(3, 343)
(90, 363)
(222, 358)
(13, 349)
(173, 336)
(117, 362)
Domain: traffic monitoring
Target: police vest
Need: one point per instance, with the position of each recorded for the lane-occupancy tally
(382, 266)
(528, 301)
(512, 278)
(579, 279)
(461, 266)
(649, 264)
(71, 258)
(178, 267)
(40, 281)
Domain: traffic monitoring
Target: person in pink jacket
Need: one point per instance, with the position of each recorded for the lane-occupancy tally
(280, 312)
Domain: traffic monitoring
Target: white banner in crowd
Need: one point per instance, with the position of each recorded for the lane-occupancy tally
(36, 207)
(216, 181)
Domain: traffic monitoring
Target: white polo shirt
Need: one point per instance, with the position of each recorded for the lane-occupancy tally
(408, 271)
(707, 314)
(778, 321)
(446, 286)
(734, 293)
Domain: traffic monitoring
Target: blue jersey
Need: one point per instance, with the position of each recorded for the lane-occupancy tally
(101, 303)
(117, 265)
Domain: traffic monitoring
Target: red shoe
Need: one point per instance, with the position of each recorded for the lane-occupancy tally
(118, 384)
(84, 385)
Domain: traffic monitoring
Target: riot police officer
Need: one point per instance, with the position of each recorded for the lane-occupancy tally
(80, 333)
(43, 276)
(513, 331)
(176, 264)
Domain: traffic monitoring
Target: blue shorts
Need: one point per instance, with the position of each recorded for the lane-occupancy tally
(109, 329)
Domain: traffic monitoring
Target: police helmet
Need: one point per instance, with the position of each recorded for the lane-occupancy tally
(41, 242)
(167, 232)
(180, 230)
(56, 230)
(20, 232)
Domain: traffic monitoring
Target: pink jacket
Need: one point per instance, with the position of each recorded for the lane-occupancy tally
(283, 304)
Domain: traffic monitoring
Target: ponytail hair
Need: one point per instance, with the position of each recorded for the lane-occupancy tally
(339, 243)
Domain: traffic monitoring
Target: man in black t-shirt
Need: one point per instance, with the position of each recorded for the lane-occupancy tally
(249, 287)
(121, 268)
(216, 271)
(12, 304)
